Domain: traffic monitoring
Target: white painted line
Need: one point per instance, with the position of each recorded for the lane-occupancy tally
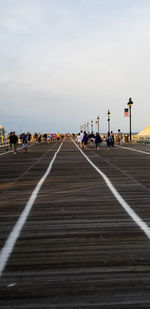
(15, 233)
(143, 226)
(148, 153)
(11, 285)
(4, 153)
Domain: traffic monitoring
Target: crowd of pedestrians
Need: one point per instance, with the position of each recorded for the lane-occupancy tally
(36, 138)
(83, 139)
(95, 140)
(47, 137)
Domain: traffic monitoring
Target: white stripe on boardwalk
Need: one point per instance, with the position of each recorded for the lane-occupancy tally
(143, 226)
(137, 150)
(10, 151)
(4, 153)
(15, 233)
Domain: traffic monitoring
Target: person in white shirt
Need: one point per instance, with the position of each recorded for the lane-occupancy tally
(119, 137)
(79, 139)
(82, 135)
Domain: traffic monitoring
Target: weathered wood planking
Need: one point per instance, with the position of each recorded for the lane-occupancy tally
(78, 248)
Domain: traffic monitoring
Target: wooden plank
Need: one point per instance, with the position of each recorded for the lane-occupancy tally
(78, 249)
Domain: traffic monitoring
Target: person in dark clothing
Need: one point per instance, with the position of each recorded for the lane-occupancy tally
(35, 135)
(29, 137)
(85, 140)
(25, 142)
(98, 140)
(13, 141)
(112, 138)
(39, 138)
(45, 137)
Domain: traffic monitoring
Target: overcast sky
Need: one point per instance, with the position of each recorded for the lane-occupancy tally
(63, 62)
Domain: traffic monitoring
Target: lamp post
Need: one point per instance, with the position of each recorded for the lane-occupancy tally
(81, 128)
(87, 126)
(130, 103)
(98, 123)
(91, 126)
(108, 119)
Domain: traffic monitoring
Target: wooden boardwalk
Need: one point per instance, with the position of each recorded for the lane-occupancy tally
(78, 248)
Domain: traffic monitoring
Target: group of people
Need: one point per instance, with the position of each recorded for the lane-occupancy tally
(83, 138)
(13, 141)
(25, 139)
(47, 137)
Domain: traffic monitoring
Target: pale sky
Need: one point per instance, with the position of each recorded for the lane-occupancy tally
(63, 62)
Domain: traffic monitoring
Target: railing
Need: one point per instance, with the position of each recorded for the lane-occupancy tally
(143, 140)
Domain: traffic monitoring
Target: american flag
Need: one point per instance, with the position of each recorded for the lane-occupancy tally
(126, 112)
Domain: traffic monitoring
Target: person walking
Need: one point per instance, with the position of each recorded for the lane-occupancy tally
(45, 137)
(58, 137)
(25, 142)
(51, 137)
(29, 137)
(98, 140)
(13, 141)
(85, 141)
(112, 138)
(119, 137)
(39, 138)
(82, 135)
(108, 140)
(35, 135)
(79, 140)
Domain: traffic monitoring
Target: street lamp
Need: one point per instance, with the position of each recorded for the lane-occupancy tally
(87, 126)
(91, 126)
(81, 128)
(108, 119)
(98, 123)
(130, 105)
